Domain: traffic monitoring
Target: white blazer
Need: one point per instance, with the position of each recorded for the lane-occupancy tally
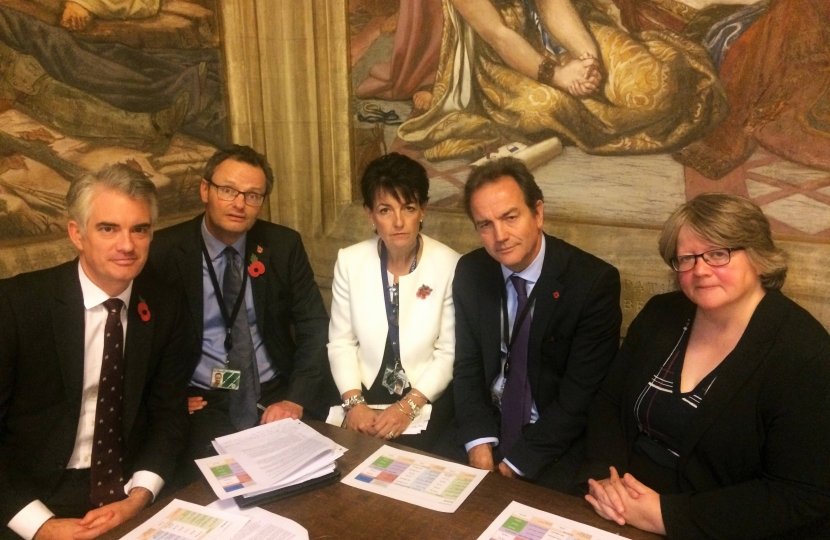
(358, 327)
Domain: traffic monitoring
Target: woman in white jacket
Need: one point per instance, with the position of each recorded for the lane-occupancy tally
(392, 330)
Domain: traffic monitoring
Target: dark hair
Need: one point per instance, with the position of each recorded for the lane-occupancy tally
(497, 168)
(242, 154)
(398, 175)
(118, 177)
(729, 221)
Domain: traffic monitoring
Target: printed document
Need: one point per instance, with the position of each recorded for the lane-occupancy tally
(432, 483)
(182, 520)
(520, 522)
(263, 525)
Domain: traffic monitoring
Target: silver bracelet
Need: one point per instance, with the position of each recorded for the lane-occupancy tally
(352, 402)
(416, 410)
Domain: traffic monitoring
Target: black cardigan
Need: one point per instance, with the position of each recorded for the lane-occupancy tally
(756, 460)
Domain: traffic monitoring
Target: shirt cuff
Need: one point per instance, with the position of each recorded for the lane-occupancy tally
(482, 440)
(515, 470)
(28, 521)
(146, 479)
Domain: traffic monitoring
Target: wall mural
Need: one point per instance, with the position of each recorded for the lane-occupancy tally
(93, 82)
(662, 99)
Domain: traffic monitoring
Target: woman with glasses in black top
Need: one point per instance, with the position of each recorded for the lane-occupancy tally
(714, 421)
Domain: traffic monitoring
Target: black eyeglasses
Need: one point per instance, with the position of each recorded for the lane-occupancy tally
(226, 193)
(713, 257)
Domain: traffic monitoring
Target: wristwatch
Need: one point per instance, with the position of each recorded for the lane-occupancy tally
(349, 404)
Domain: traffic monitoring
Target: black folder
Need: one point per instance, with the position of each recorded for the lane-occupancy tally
(289, 491)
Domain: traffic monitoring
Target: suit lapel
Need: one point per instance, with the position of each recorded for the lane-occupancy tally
(137, 349)
(490, 318)
(189, 264)
(68, 326)
(546, 293)
(259, 285)
(736, 369)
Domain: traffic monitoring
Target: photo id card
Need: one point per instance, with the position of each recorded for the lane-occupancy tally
(225, 379)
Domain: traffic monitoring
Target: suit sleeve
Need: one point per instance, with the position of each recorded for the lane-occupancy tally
(306, 383)
(342, 347)
(475, 414)
(15, 496)
(794, 487)
(593, 347)
(166, 398)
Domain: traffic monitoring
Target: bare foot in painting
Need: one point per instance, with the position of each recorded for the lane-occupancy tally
(75, 16)
(422, 100)
(579, 77)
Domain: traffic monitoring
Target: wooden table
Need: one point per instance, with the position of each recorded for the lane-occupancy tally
(343, 512)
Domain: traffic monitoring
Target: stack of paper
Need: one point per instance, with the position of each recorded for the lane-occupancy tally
(268, 457)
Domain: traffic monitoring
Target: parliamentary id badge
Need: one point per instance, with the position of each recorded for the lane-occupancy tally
(225, 379)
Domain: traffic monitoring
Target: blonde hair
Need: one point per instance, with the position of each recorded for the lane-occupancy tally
(728, 221)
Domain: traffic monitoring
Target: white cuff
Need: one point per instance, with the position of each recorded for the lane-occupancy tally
(146, 479)
(470, 445)
(515, 470)
(28, 521)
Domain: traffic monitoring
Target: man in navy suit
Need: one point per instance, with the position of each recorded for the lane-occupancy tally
(257, 351)
(522, 388)
(92, 377)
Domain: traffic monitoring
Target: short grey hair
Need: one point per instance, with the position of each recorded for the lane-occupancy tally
(729, 221)
(119, 177)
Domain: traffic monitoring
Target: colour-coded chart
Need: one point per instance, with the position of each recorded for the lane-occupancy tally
(226, 476)
(520, 522)
(428, 482)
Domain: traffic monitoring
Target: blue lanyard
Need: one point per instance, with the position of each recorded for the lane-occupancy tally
(391, 319)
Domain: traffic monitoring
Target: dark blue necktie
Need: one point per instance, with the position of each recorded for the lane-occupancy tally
(516, 400)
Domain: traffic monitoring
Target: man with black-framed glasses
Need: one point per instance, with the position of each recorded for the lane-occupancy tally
(258, 320)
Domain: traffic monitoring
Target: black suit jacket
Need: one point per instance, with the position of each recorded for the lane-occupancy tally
(290, 314)
(574, 336)
(41, 381)
(756, 459)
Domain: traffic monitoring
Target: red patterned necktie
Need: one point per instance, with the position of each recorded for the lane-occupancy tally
(106, 473)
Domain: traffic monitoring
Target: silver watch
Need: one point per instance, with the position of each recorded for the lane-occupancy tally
(352, 402)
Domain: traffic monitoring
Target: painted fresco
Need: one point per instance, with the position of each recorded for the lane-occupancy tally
(94, 82)
(663, 99)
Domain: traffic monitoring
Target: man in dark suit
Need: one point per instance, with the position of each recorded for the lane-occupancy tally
(258, 346)
(522, 387)
(92, 378)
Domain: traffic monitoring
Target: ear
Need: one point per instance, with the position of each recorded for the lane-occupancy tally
(204, 189)
(540, 214)
(75, 235)
(369, 215)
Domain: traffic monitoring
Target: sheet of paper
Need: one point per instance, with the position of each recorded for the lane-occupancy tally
(227, 477)
(281, 451)
(337, 416)
(263, 525)
(182, 520)
(432, 483)
(520, 522)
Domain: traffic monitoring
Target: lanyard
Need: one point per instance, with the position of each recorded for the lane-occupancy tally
(516, 324)
(228, 319)
(394, 330)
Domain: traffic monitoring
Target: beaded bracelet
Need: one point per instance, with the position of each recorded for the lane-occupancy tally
(546, 69)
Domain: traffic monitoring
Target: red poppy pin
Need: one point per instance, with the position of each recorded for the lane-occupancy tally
(256, 268)
(423, 291)
(143, 310)
(556, 294)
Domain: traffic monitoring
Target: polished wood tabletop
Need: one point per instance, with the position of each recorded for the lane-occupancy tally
(341, 512)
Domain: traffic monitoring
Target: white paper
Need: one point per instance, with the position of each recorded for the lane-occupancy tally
(227, 477)
(432, 483)
(337, 417)
(521, 522)
(263, 525)
(182, 520)
(281, 451)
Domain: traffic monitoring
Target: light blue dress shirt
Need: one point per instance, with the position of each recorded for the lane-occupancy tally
(213, 334)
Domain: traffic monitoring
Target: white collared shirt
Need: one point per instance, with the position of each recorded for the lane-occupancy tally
(27, 522)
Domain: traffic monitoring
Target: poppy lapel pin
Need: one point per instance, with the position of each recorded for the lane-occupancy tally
(423, 291)
(256, 268)
(143, 309)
